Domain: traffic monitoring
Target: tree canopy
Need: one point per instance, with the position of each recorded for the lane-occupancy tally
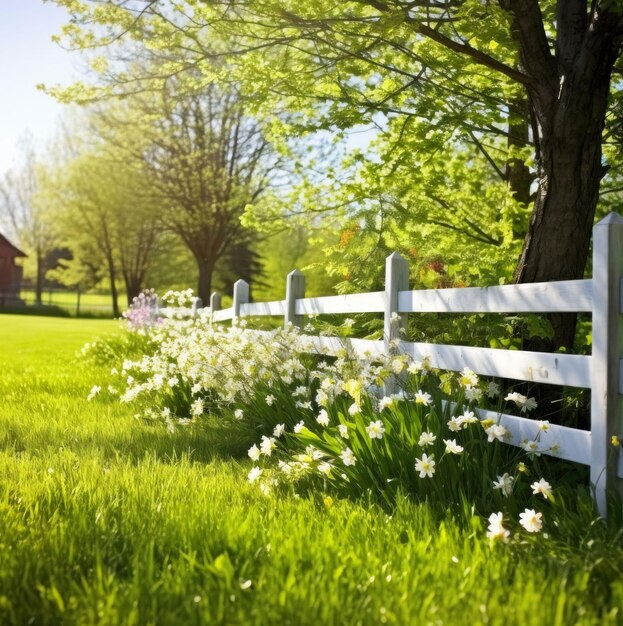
(526, 85)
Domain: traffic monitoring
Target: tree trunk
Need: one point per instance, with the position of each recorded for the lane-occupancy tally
(206, 269)
(133, 291)
(517, 172)
(39, 278)
(133, 286)
(567, 128)
(112, 276)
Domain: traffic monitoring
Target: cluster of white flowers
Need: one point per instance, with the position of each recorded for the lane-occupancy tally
(208, 364)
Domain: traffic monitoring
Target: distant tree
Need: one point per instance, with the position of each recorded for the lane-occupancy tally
(108, 218)
(206, 160)
(25, 212)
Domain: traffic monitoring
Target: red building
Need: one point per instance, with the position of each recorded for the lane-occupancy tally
(10, 272)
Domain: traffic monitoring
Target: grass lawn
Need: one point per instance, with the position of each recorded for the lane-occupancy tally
(90, 303)
(107, 520)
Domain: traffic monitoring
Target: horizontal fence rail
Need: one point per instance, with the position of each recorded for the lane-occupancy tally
(601, 372)
(569, 296)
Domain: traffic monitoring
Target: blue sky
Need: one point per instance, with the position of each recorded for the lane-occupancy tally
(28, 57)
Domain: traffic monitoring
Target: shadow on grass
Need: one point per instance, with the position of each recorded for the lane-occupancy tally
(202, 442)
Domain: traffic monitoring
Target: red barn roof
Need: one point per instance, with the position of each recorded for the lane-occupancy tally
(7, 249)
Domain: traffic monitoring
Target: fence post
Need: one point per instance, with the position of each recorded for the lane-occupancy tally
(396, 279)
(241, 296)
(215, 303)
(197, 304)
(606, 399)
(295, 288)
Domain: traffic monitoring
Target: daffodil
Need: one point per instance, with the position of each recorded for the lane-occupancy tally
(543, 487)
(425, 465)
(531, 520)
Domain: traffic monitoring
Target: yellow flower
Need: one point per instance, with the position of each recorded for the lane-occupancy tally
(521, 467)
(353, 387)
(328, 502)
(615, 441)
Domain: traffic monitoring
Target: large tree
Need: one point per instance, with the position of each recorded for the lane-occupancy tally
(492, 69)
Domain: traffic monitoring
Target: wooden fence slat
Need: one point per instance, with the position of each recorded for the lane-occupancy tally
(562, 296)
(223, 315)
(372, 302)
(572, 370)
(276, 307)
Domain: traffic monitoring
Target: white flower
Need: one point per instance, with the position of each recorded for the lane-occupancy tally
(473, 393)
(531, 520)
(323, 418)
(496, 530)
(531, 447)
(505, 484)
(314, 453)
(343, 431)
(398, 365)
(421, 397)
(348, 457)
(521, 401)
(543, 425)
(425, 465)
(492, 390)
(286, 468)
(94, 391)
(354, 408)
(452, 447)
(254, 453)
(468, 417)
(270, 399)
(385, 402)
(497, 431)
(300, 391)
(279, 430)
(542, 487)
(455, 424)
(426, 439)
(299, 427)
(172, 381)
(254, 474)
(322, 398)
(196, 408)
(238, 414)
(375, 429)
(348, 323)
(468, 378)
(415, 367)
(267, 445)
(325, 468)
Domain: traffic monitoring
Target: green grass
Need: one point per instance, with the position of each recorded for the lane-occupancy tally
(107, 520)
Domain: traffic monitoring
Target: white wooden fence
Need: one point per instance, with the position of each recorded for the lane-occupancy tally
(601, 372)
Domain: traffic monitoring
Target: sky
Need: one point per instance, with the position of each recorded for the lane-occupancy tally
(29, 57)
